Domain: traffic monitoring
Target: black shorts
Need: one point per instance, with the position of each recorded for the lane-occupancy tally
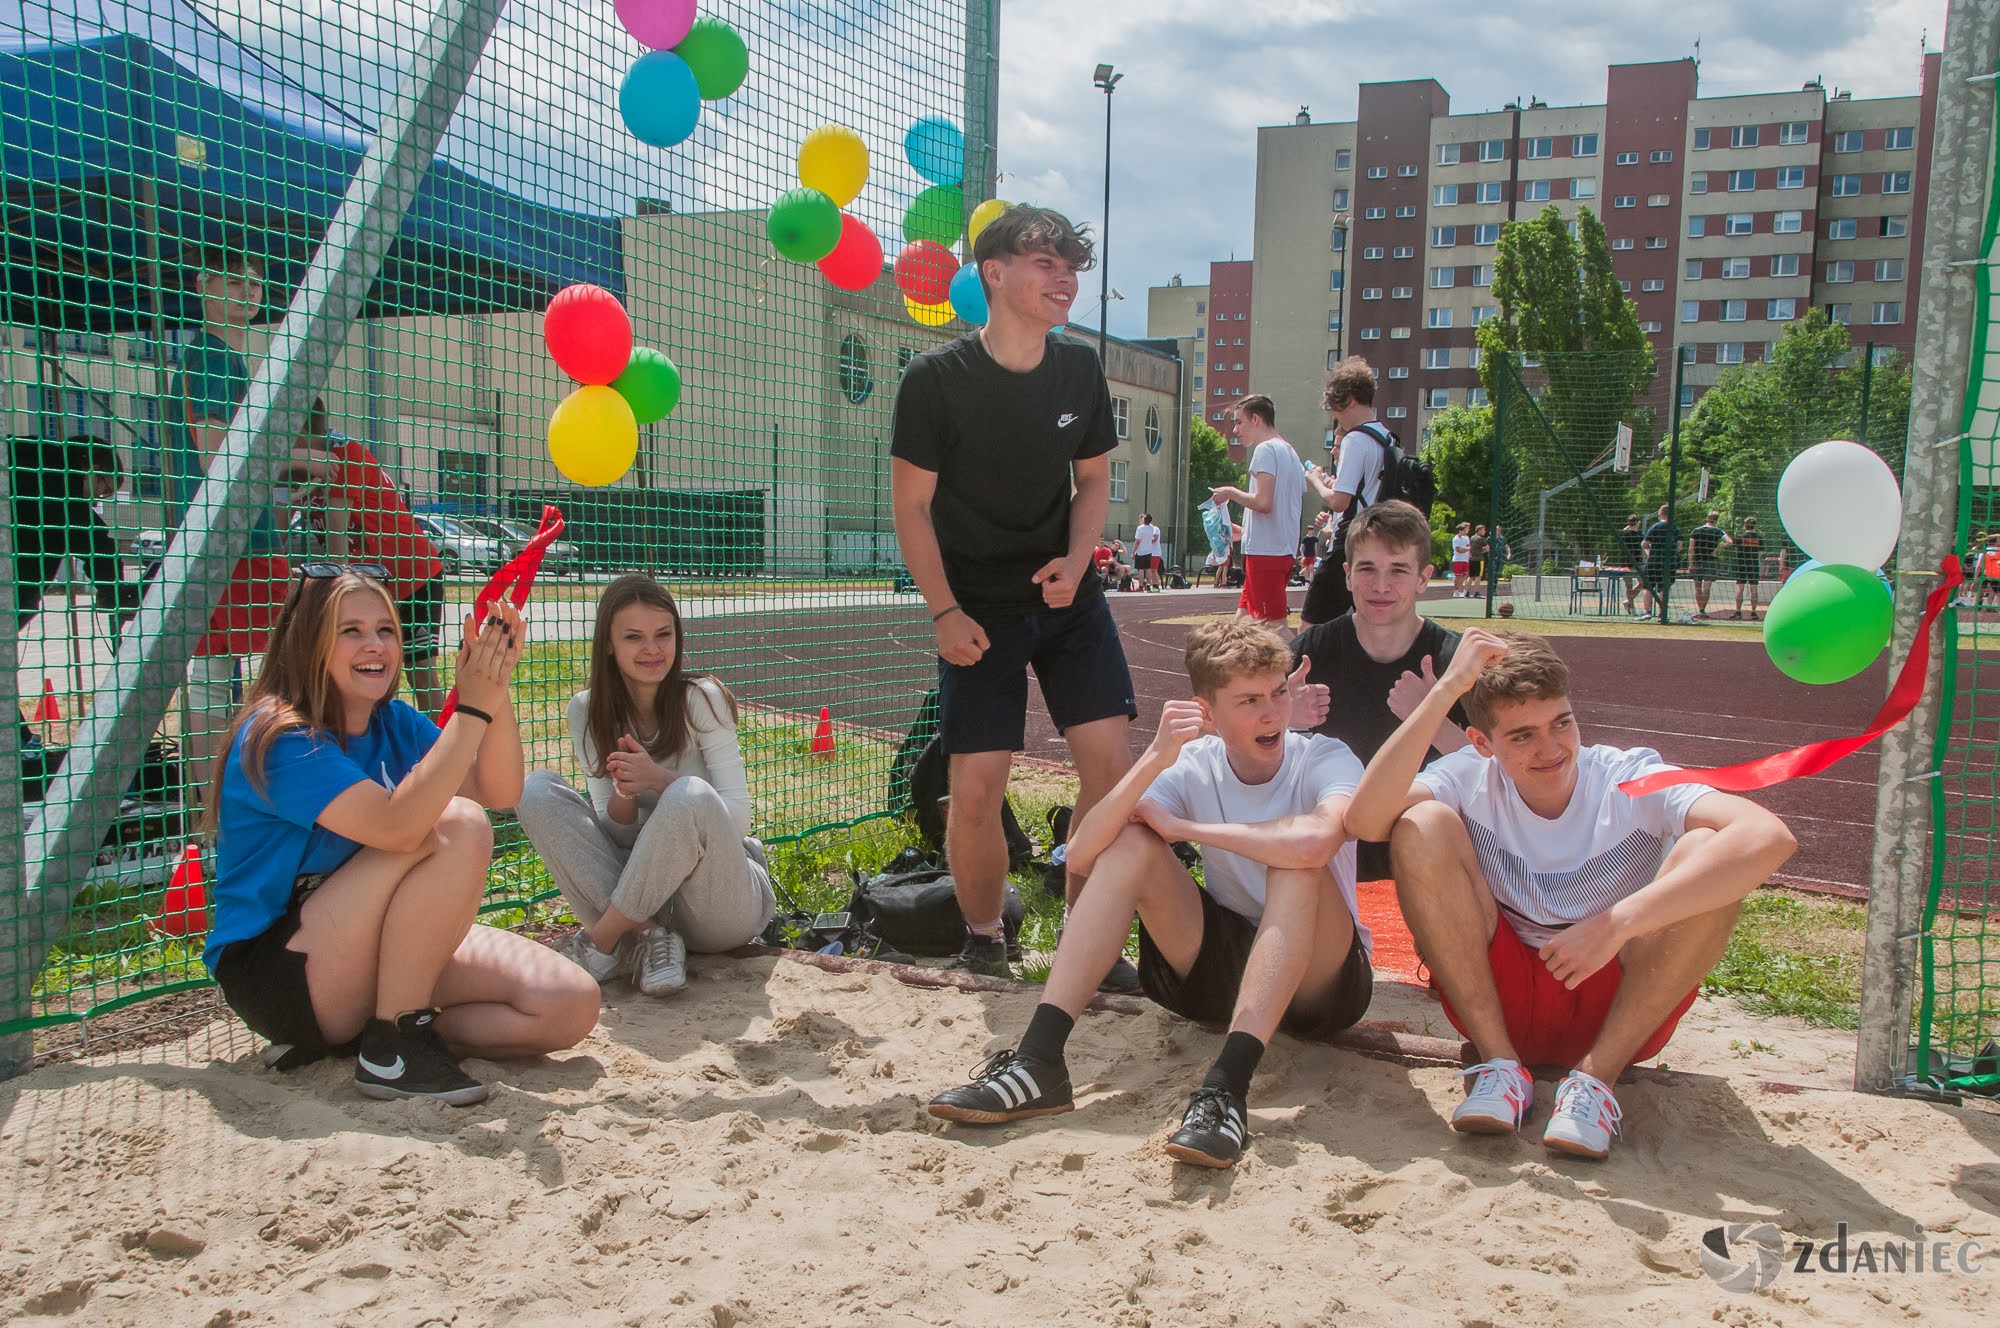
(1659, 580)
(264, 981)
(1146, 562)
(1747, 577)
(1208, 993)
(1707, 572)
(1077, 658)
(1327, 594)
(1475, 568)
(422, 616)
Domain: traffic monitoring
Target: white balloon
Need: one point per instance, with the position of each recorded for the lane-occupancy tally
(1840, 503)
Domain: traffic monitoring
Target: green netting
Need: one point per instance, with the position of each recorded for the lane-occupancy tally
(170, 168)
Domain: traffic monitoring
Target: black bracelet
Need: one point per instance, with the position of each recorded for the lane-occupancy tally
(939, 615)
(474, 711)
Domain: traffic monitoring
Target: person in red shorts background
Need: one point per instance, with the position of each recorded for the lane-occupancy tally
(1564, 922)
(1271, 509)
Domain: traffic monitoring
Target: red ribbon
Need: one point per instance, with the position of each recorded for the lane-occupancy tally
(1817, 756)
(514, 580)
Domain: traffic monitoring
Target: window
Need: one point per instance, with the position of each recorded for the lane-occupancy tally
(1791, 177)
(1235, 391)
(1339, 239)
(1794, 132)
(1650, 325)
(1735, 311)
(1691, 271)
(1701, 140)
(1729, 352)
(1899, 140)
(1371, 292)
(1697, 182)
(1444, 195)
(1437, 398)
(1121, 415)
(462, 474)
(1895, 182)
(1443, 237)
(1218, 414)
(1657, 200)
(1781, 311)
(1739, 223)
(1656, 241)
(1378, 172)
(1690, 311)
(1336, 281)
(1120, 476)
(1625, 286)
(1787, 223)
(1486, 233)
(1343, 159)
(1662, 155)
(1371, 334)
(1238, 366)
(1843, 228)
(1895, 227)
(1687, 395)
(1475, 396)
(1697, 227)
(1437, 317)
(1448, 153)
(1373, 251)
(1784, 265)
(1443, 278)
(1407, 172)
(1847, 140)
(1653, 284)
(1403, 251)
(1374, 214)
(1474, 360)
(1400, 371)
(1484, 313)
(1535, 191)
(1541, 147)
(1743, 136)
(1493, 149)
(1399, 334)
(1222, 341)
(1583, 187)
(1396, 413)
(1240, 316)
(84, 343)
(1333, 320)
(1734, 269)
(1846, 186)
(1739, 182)
(1198, 358)
(1888, 312)
(1483, 275)
(1406, 210)
(1883, 355)
(1840, 313)
(1153, 428)
(1437, 357)
(1340, 200)
(1486, 191)
(1840, 272)
(1628, 159)
(1201, 308)
(1400, 293)
(1583, 145)
(1625, 200)
(1888, 269)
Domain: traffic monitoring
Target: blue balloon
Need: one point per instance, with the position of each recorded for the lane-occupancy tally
(1811, 563)
(968, 297)
(937, 149)
(660, 99)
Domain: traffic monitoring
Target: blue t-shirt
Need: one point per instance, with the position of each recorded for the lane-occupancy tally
(264, 840)
(212, 383)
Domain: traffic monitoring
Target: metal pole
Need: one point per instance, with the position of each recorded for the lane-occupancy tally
(1673, 482)
(1867, 382)
(1104, 242)
(1493, 498)
(106, 749)
(1908, 801)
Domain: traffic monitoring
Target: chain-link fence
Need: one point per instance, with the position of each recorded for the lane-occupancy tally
(175, 178)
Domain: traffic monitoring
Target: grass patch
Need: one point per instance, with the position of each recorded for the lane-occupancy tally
(1795, 955)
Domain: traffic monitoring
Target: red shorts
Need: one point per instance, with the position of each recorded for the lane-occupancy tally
(1264, 578)
(242, 621)
(1461, 568)
(1549, 1023)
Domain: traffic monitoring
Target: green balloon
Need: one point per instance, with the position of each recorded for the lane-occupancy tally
(1827, 624)
(804, 225)
(937, 214)
(717, 56)
(651, 385)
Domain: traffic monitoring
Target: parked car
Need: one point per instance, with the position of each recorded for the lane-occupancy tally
(563, 558)
(462, 546)
(150, 548)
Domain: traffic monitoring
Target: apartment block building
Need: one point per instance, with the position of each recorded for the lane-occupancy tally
(1213, 322)
(1727, 216)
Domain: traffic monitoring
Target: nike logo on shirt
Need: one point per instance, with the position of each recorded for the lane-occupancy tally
(1064, 421)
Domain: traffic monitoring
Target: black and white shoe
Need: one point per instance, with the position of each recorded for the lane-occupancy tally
(1212, 1131)
(984, 955)
(1007, 1088)
(409, 1059)
(1122, 980)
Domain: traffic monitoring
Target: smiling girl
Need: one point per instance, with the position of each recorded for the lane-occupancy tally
(658, 859)
(351, 853)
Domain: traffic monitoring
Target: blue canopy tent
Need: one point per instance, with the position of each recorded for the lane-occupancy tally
(133, 133)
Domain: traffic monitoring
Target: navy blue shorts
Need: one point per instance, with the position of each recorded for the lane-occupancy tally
(1076, 656)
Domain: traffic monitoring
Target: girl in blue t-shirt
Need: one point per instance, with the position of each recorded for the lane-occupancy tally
(351, 854)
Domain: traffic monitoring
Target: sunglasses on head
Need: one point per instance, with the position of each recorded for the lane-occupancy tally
(326, 571)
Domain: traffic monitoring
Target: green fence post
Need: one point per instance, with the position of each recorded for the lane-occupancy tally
(1867, 382)
(1493, 495)
(1673, 481)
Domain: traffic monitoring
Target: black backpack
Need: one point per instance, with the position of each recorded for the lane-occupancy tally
(1405, 478)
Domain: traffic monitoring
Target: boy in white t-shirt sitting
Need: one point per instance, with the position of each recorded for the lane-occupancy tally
(1272, 942)
(1564, 922)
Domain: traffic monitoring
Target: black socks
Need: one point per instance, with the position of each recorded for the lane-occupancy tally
(1047, 1035)
(1233, 1068)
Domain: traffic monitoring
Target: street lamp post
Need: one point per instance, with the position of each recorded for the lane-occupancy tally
(1341, 221)
(1108, 81)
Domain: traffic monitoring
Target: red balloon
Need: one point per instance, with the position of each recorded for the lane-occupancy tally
(588, 333)
(856, 260)
(924, 271)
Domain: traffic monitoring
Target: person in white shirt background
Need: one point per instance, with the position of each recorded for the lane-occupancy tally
(1271, 510)
(1146, 552)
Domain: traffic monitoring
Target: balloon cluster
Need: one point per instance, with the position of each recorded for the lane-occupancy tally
(688, 60)
(1840, 503)
(594, 433)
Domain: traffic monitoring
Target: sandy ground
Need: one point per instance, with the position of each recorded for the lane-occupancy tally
(756, 1152)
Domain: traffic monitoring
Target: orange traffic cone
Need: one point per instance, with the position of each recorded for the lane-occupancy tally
(46, 709)
(184, 908)
(822, 743)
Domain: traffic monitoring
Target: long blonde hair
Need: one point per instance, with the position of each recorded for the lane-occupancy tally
(295, 688)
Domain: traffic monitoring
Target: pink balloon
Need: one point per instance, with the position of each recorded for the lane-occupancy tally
(659, 24)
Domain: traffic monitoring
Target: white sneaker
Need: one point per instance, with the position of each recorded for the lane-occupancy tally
(1585, 1118)
(1502, 1095)
(579, 949)
(663, 959)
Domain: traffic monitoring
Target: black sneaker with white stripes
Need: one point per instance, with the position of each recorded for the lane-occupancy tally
(1007, 1088)
(408, 1058)
(1212, 1131)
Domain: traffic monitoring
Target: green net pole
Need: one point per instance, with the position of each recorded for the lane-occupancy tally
(1500, 381)
(1867, 383)
(1673, 486)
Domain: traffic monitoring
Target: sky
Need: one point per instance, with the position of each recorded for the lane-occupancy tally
(1202, 75)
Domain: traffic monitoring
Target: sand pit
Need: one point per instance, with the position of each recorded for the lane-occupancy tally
(756, 1152)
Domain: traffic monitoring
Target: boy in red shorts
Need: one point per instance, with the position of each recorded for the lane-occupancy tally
(1564, 922)
(1271, 508)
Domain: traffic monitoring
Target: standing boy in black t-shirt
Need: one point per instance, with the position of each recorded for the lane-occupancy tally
(994, 433)
(1373, 664)
(1749, 566)
(1705, 546)
(1662, 546)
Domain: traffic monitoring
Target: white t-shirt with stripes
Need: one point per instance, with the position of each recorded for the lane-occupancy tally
(1549, 874)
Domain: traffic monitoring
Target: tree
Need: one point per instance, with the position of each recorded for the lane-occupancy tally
(1208, 467)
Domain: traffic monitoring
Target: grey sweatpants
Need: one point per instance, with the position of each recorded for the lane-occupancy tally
(688, 869)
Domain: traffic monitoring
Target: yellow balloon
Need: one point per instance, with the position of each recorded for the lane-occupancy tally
(834, 160)
(593, 436)
(983, 216)
(930, 315)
